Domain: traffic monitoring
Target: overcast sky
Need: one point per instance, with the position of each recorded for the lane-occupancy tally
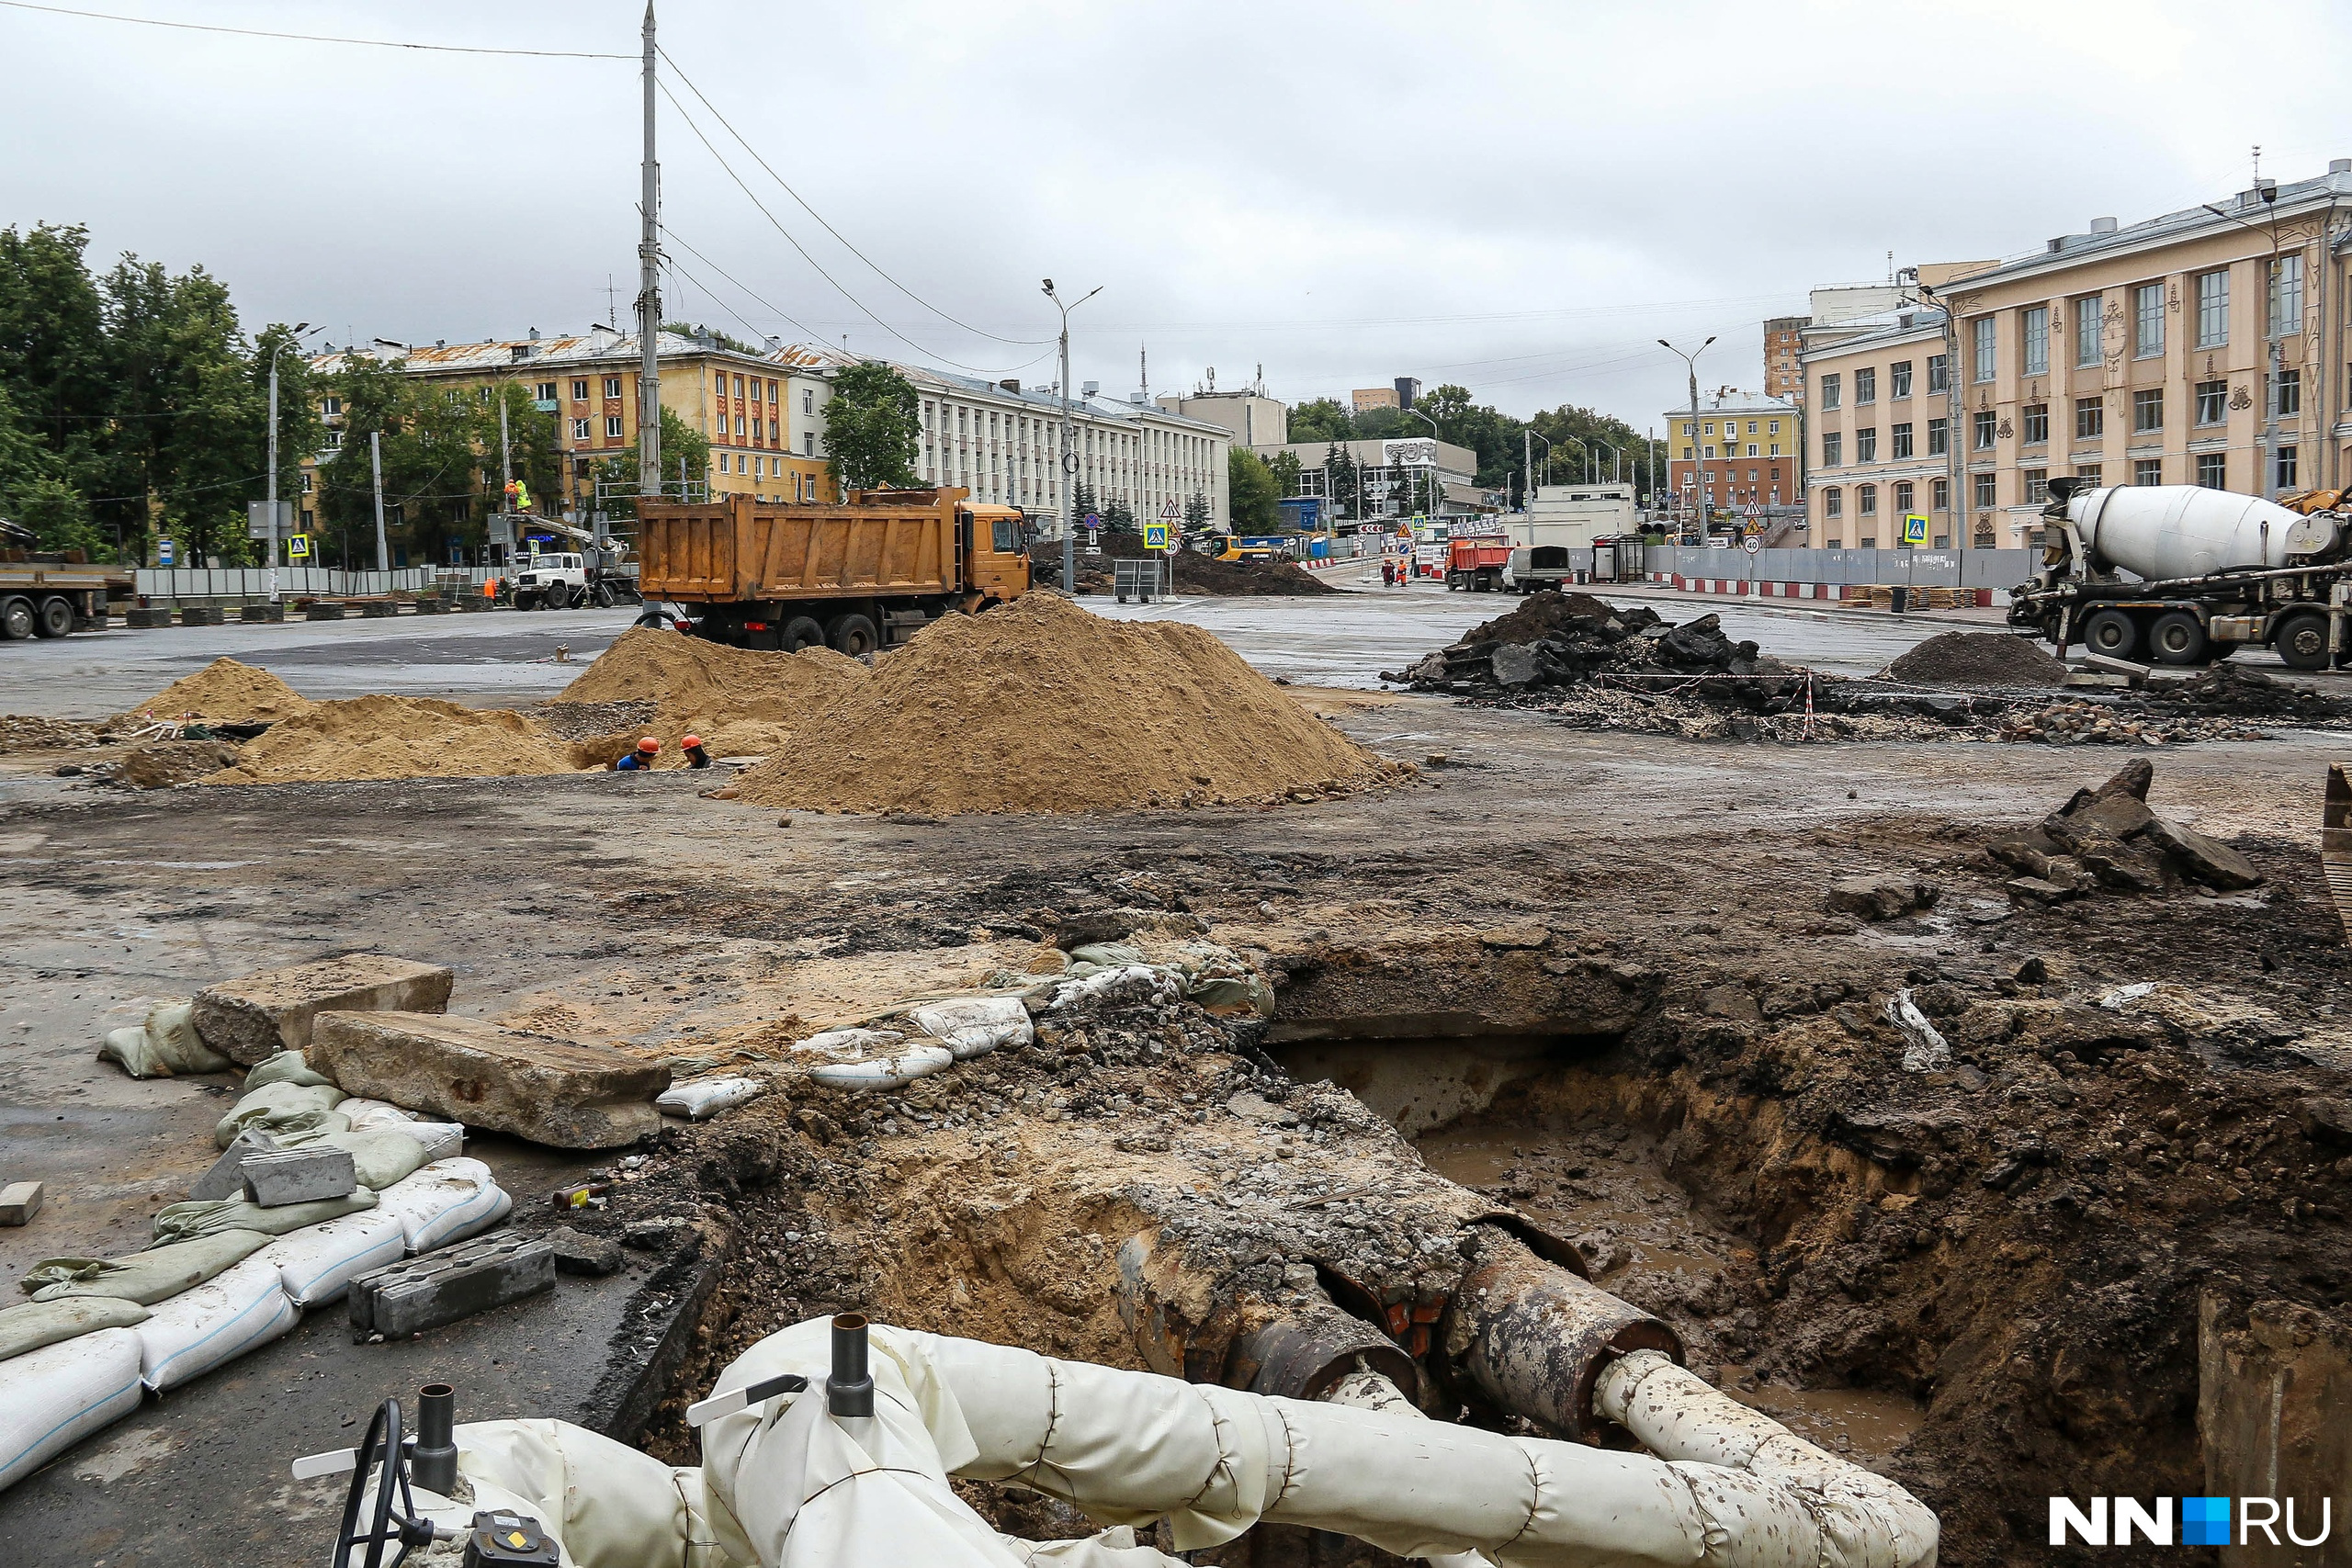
(1518, 197)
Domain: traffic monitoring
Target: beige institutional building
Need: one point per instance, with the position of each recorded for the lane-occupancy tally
(2201, 347)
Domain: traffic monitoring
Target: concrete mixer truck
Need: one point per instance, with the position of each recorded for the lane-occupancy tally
(2177, 574)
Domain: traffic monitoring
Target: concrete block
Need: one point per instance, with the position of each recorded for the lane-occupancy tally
(20, 1201)
(261, 613)
(144, 618)
(409, 1298)
(551, 1091)
(304, 1175)
(227, 1177)
(579, 1254)
(253, 1017)
(2135, 673)
(376, 609)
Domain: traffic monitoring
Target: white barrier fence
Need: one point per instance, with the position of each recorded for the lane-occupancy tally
(251, 584)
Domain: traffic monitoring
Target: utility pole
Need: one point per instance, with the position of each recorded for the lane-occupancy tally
(1527, 460)
(270, 505)
(1069, 453)
(375, 462)
(1690, 362)
(505, 453)
(649, 296)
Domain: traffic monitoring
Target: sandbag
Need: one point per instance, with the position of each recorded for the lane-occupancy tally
(186, 1222)
(366, 1115)
(214, 1324)
(286, 1067)
(447, 1201)
(53, 1397)
(166, 1043)
(316, 1263)
(699, 1100)
(36, 1324)
(380, 1157)
(973, 1026)
(279, 1109)
(143, 1277)
(884, 1073)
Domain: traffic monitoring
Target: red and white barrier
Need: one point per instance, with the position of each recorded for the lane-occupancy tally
(1742, 587)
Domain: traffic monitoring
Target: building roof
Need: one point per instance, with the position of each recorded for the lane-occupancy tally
(1911, 323)
(1047, 402)
(1731, 400)
(600, 346)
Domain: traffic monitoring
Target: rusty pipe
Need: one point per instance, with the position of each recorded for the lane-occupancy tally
(1303, 1353)
(1531, 1338)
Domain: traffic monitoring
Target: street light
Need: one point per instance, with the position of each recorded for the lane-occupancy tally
(1437, 504)
(1691, 363)
(1614, 458)
(1547, 450)
(1069, 457)
(270, 503)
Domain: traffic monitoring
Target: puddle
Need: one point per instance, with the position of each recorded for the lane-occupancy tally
(1863, 1425)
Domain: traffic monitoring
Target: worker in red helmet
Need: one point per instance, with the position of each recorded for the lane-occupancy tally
(696, 756)
(647, 750)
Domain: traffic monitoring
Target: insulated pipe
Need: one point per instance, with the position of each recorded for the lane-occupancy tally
(1532, 1337)
(1365, 1389)
(849, 1387)
(433, 1463)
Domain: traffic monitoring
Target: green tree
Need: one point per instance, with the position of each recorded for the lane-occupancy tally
(434, 441)
(682, 447)
(1322, 419)
(1256, 497)
(871, 427)
(1119, 518)
(1339, 480)
(1082, 501)
(1285, 467)
(531, 441)
(1196, 512)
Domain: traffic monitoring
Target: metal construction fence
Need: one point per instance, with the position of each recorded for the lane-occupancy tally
(1918, 569)
(251, 584)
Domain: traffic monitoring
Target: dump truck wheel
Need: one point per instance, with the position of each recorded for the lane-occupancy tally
(2302, 642)
(2178, 638)
(802, 631)
(2112, 633)
(854, 636)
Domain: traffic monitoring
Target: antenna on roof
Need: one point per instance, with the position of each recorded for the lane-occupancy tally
(2258, 164)
(611, 308)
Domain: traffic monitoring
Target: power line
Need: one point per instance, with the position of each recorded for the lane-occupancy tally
(310, 38)
(836, 234)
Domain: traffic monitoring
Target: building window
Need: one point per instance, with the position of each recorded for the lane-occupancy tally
(1898, 376)
(1939, 373)
(1904, 496)
(1981, 487)
(579, 430)
(2036, 324)
(1939, 437)
(1867, 541)
(1831, 390)
(1941, 490)
(2035, 419)
(2288, 393)
(1832, 502)
(612, 385)
(612, 427)
(2088, 331)
(2147, 321)
(2286, 480)
(2213, 469)
(1773, 427)
(2088, 473)
(809, 439)
(808, 401)
(755, 398)
(2286, 296)
(544, 391)
(1710, 453)
(1865, 387)
(580, 390)
(330, 407)
(1866, 500)
(2037, 485)
(1751, 428)
(2147, 410)
(738, 427)
(308, 519)
(2148, 471)
(1983, 327)
(1866, 444)
(2090, 418)
(2212, 401)
(2213, 308)
(1899, 440)
(773, 438)
(334, 440)
(1776, 448)
(1988, 422)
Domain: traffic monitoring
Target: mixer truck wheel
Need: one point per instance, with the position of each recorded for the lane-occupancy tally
(2178, 638)
(2112, 633)
(2302, 640)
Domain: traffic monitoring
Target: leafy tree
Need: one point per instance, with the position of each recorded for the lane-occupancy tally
(724, 340)
(1119, 518)
(531, 439)
(1285, 467)
(1197, 512)
(432, 440)
(1256, 497)
(871, 426)
(1322, 419)
(682, 448)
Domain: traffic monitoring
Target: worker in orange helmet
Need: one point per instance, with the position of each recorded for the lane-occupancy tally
(696, 756)
(647, 750)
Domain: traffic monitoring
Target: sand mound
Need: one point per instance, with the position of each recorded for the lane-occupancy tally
(741, 702)
(1978, 659)
(1043, 707)
(228, 691)
(396, 737)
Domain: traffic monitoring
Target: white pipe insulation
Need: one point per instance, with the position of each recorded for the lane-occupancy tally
(1727, 1486)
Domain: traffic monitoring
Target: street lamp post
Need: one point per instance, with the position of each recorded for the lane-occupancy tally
(1069, 457)
(1691, 363)
(270, 503)
(1613, 452)
(1547, 449)
(1437, 503)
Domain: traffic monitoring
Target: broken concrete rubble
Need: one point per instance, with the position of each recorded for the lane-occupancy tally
(1881, 896)
(551, 1091)
(253, 1017)
(2109, 838)
(406, 1299)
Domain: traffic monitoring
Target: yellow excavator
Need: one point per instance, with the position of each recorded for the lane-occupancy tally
(2307, 502)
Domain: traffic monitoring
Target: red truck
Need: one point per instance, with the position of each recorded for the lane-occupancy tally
(1477, 563)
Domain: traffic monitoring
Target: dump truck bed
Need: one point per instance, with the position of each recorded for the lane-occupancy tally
(737, 548)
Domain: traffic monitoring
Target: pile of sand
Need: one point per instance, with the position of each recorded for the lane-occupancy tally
(741, 702)
(1978, 659)
(1042, 706)
(396, 737)
(223, 690)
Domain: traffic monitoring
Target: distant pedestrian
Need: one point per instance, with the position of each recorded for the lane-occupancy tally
(1387, 572)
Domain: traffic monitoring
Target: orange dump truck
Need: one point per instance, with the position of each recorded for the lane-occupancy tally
(856, 578)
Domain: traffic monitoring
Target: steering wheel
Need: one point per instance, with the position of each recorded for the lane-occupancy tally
(400, 1527)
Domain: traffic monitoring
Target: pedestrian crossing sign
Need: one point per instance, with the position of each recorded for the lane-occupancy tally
(297, 547)
(1915, 528)
(1155, 536)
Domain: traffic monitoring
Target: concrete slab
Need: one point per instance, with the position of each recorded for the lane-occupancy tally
(255, 1017)
(551, 1091)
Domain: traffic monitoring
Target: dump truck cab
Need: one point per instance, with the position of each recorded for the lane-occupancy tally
(995, 541)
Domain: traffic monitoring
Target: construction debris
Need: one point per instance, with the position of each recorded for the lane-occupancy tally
(555, 1092)
(1882, 897)
(19, 1201)
(2108, 837)
(26, 732)
(167, 764)
(406, 1299)
(259, 1016)
(741, 700)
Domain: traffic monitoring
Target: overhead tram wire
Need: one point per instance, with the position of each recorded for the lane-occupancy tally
(878, 271)
(310, 38)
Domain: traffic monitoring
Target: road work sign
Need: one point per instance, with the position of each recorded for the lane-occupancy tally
(1155, 536)
(1915, 528)
(1168, 512)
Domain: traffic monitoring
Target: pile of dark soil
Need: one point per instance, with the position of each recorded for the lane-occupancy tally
(1552, 613)
(2226, 688)
(1978, 659)
(1562, 641)
(1197, 573)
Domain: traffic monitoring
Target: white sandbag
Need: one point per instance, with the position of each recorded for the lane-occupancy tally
(316, 1263)
(973, 1026)
(53, 1397)
(367, 1113)
(885, 1072)
(699, 1100)
(166, 1043)
(29, 1328)
(1130, 984)
(286, 1067)
(447, 1201)
(439, 1140)
(214, 1324)
(848, 1045)
(281, 1108)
